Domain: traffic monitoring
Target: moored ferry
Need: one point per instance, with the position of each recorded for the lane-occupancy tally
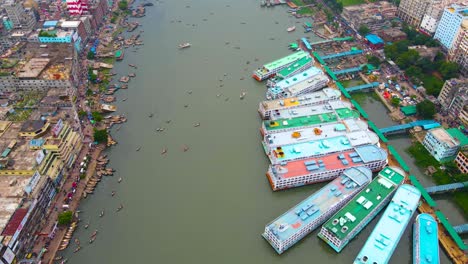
(312, 170)
(305, 82)
(272, 68)
(291, 70)
(355, 215)
(319, 148)
(383, 240)
(313, 116)
(299, 221)
(269, 109)
(425, 240)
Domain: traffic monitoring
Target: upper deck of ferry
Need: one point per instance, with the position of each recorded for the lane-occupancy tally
(327, 107)
(322, 147)
(283, 61)
(351, 158)
(284, 73)
(428, 239)
(322, 131)
(384, 238)
(307, 211)
(318, 97)
(297, 78)
(351, 215)
(329, 117)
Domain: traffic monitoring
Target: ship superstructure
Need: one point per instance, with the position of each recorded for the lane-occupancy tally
(355, 215)
(305, 82)
(271, 69)
(383, 240)
(312, 170)
(425, 240)
(303, 218)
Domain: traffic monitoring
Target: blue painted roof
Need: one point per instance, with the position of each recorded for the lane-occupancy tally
(50, 23)
(383, 240)
(374, 39)
(427, 242)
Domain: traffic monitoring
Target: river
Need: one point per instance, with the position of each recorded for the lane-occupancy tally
(211, 203)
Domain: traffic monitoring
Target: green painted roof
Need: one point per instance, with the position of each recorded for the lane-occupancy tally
(408, 110)
(286, 72)
(451, 231)
(424, 194)
(286, 60)
(458, 134)
(383, 185)
(343, 113)
(397, 156)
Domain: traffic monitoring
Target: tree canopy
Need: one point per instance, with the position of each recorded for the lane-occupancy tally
(65, 218)
(123, 5)
(426, 109)
(373, 60)
(100, 135)
(96, 116)
(363, 30)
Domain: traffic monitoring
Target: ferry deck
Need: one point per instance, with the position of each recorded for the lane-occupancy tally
(303, 218)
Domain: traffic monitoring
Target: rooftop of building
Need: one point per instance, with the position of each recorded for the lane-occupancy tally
(457, 134)
(443, 136)
(394, 32)
(317, 133)
(356, 210)
(33, 58)
(311, 208)
(312, 98)
(11, 195)
(374, 39)
(69, 24)
(355, 157)
(322, 147)
(310, 120)
(32, 125)
(380, 244)
(21, 157)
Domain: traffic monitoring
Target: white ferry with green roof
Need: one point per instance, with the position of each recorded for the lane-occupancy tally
(354, 216)
(272, 68)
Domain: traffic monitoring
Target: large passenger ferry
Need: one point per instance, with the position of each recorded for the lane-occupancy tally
(292, 70)
(383, 240)
(354, 216)
(269, 109)
(318, 148)
(312, 170)
(305, 82)
(296, 223)
(310, 116)
(425, 240)
(272, 68)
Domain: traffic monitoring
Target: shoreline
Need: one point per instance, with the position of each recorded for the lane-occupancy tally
(93, 152)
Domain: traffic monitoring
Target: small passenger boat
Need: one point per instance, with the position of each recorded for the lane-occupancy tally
(291, 29)
(164, 151)
(184, 45)
(119, 180)
(242, 95)
(101, 214)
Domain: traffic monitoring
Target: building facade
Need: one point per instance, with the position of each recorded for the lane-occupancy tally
(19, 16)
(462, 161)
(440, 144)
(449, 25)
(412, 11)
(454, 96)
(459, 51)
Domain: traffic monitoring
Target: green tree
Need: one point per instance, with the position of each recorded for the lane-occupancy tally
(96, 116)
(123, 5)
(395, 101)
(65, 218)
(414, 71)
(391, 51)
(89, 92)
(373, 60)
(363, 30)
(81, 113)
(449, 69)
(426, 65)
(100, 135)
(426, 109)
(365, 69)
(408, 58)
(90, 55)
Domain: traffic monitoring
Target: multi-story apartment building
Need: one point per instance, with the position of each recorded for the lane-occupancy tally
(454, 96)
(433, 14)
(462, 161)
(77, 7)
(20, 17)
(440, 144)
(459, 51)
(412, 11)
(449, 25)
(375, 16)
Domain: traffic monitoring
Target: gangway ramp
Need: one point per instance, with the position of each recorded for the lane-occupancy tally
(426, 124)
(342, 54)
(362, 87)
(447, 187)
(461, 229)
(349, 70)
(306, 43)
